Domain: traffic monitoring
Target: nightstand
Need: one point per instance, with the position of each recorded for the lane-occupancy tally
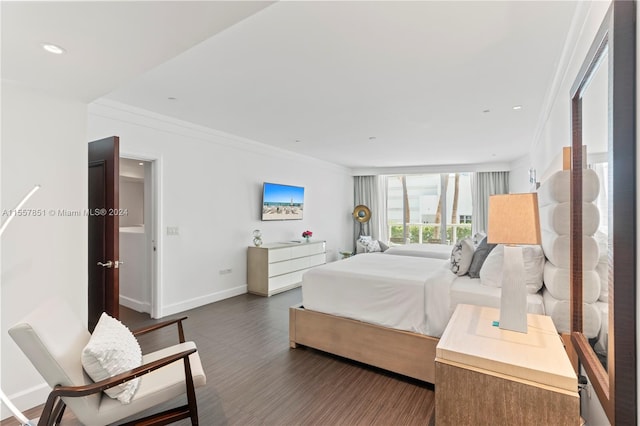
(486, 375)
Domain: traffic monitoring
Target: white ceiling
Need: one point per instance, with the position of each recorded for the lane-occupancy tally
(108, 42)
(318, 78)
(132, 169)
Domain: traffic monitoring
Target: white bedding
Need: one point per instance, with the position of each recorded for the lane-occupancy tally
(401, 292)
(435, 251)
(469, 291)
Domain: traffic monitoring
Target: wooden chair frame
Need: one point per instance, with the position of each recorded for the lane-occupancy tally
(54, 407)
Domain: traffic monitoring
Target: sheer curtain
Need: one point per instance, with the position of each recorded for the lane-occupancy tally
(484, 185)
(369, 191)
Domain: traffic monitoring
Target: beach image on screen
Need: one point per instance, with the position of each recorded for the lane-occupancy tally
(282, 202)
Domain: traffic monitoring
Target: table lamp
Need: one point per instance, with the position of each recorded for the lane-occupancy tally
(513, 219)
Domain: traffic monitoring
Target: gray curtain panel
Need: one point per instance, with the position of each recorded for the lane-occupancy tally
(369, 191)
(484, 185)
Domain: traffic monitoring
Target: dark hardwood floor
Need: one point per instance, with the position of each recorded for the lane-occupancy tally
(254, 378)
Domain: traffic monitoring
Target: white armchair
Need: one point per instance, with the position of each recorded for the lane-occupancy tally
(53, 338)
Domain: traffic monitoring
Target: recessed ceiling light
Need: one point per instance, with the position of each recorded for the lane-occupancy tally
(486, 110)
(53, 48)
(171, 98)
(517, 107)
(297, 141)
(140, 164)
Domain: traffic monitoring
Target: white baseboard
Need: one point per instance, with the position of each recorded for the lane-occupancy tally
(134, 304)
(27, 399)
(202, 300)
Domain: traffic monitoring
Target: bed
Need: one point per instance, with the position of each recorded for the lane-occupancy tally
(436, 251)
(385, 310)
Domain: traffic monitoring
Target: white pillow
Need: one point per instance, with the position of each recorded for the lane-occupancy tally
(112, 349)
(491, 271)
(461, 256)
(534, 261)
(373, 246)
(364, 239)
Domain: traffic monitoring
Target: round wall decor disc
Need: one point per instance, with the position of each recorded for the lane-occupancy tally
(362, 213)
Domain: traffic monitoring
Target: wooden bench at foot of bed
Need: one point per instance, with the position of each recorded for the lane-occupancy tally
(401, 352)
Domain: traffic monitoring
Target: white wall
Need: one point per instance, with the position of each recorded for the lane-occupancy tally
(210, 189)
(555, 132)
(519, 175)
(135, 291)
(132, 200)
(43, 142)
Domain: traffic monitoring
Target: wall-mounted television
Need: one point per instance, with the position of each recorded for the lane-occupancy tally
(282, 202)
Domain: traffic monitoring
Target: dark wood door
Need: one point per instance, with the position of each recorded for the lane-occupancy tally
(104, 170)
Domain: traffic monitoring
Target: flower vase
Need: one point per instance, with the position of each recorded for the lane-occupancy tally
(306, 239)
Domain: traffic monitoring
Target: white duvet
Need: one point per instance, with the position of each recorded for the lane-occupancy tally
(435, 251)
(401, 292)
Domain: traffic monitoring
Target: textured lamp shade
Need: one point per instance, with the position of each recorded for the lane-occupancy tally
(513, 219)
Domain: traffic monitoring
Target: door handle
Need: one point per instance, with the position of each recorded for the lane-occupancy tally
(118, 263)
(109, 264)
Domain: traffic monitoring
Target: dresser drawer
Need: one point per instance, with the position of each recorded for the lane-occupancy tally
(297, 264)
(295, 251)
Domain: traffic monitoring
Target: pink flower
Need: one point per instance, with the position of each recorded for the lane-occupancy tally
(307, 234)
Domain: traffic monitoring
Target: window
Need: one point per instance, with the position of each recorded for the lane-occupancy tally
(464, 218)
(417, 211)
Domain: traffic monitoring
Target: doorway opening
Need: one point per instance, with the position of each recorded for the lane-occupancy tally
(138, 248)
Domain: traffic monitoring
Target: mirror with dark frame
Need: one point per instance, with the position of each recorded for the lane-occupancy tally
(603, 145)
(595, 208)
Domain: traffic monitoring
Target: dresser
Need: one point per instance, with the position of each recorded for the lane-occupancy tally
(489, 376)
(276, 267)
